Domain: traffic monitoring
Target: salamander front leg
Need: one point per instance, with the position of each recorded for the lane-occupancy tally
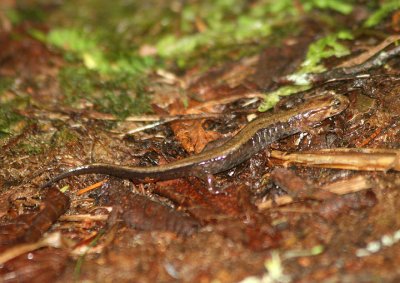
(209, 179)
(211, 183)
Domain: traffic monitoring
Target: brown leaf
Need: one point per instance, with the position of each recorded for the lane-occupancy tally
(192, 135)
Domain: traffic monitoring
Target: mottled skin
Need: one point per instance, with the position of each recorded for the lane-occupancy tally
(266, 129)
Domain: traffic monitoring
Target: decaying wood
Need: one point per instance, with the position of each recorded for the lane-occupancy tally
(55, 204)
(34, 225)
(337, 205)
(341, 187)
(360, 159)
(297, 187)
(138, 211)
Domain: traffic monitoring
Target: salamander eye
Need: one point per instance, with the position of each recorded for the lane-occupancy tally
(336, 102)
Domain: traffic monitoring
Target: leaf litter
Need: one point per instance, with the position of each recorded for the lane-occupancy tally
(65, 105)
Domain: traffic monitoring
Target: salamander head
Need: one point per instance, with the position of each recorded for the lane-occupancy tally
(321, 107)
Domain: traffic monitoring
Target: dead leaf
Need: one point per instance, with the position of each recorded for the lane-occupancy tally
(192, 135)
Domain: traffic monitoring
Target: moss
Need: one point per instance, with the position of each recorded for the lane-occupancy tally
(76, 83)
(272, 98)
(323, 48)
(123, 102)
(227, 24)
(109, 81)
(384, 10)
(118, 93)
(231, 23)
(29, 148)
(5, 84)
(9, 117)
(179, 31)
(25, 12)
(63, 137)
(340, 6)
(106, 55)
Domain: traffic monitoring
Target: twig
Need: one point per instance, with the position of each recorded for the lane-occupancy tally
(229, 99)
(91, 187)
(370, 52)
(52, 240)
(208, 104)
(83, 217)
(375, 61)
(362, 159)
(343, 73)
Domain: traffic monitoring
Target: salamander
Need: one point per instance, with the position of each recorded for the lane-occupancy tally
(255, 136)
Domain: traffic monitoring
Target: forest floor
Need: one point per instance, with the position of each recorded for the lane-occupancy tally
(146, 84)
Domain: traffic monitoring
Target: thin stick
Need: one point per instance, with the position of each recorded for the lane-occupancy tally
(91, 187)
(83, 217)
